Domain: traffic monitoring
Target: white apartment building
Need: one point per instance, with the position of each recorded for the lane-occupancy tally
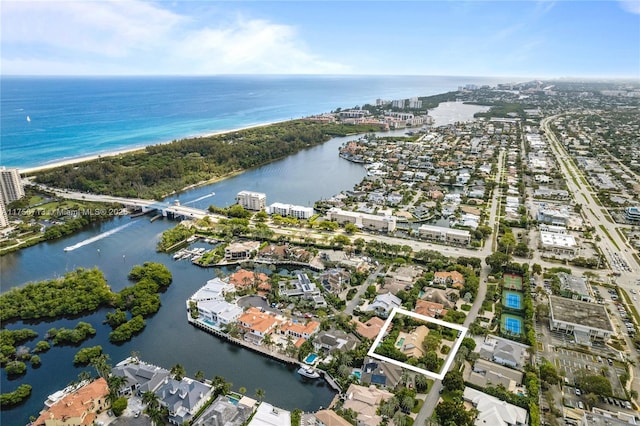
(11, 188)
(252, 200)
(363, 220)
(299, 212)
(4, 219)
(445, 235)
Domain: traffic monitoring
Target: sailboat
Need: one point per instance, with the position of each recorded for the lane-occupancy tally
(28, 119)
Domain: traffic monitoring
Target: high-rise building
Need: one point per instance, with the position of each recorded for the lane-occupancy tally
(4, 219)
(11, 188)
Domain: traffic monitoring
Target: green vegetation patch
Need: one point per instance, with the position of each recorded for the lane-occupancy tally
(79, 291)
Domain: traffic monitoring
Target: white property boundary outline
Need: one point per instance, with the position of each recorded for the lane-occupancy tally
(450, 356)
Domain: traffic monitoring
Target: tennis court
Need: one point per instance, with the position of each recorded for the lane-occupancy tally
(513, 282)
(511, 324)
(511, 299)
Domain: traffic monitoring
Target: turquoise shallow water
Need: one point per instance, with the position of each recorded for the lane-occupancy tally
(77, 116)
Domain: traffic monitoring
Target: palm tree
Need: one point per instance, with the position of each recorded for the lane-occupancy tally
(178, 372)
(407, 403)
(151, 399)
(101, 364)
(242, 390)
(199, 375)
(115, 383)
(400, 419)
(260, 394)
(267, 340)
(421, 383)
(156, 415)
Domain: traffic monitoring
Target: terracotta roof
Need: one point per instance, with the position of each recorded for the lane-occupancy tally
(308, 328)
(369, 329)
(244, 278)
(430, 309)
(78, 404)
(256, 320)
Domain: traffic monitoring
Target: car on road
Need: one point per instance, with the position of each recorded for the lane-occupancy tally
(580, 405)
(578, 393)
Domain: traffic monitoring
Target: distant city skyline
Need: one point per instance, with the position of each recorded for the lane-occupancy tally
(543, 39)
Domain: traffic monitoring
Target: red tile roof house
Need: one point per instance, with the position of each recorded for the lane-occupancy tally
(77, 408)
(243, 279)
(257, 324)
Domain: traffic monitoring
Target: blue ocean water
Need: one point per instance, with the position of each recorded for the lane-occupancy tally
(71, 117)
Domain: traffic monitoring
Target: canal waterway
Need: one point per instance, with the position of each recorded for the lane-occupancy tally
(168, 339)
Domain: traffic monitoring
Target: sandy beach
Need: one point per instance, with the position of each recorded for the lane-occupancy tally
(77, 160)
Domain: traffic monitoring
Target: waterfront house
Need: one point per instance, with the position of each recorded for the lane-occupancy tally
(365, 401)
(257, 324)
(218, 313)
(183, 398)
(214, 289)
(328, 418)
(140, 376)
(268, 415)
(299, 330)
(334, 340)
(226, 412)
(241, 250)
(79, 407)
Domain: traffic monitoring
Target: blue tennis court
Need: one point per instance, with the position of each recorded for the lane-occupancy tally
(512, 325)
(512, 300)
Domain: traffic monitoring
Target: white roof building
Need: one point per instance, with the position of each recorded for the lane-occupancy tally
(268, 415)
(558, 243)
(494, 412)
(214, 289)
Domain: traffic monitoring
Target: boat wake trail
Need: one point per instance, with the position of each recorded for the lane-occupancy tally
(97, 237)
(200, 199)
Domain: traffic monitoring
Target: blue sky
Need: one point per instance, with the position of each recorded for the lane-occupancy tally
(477, 38)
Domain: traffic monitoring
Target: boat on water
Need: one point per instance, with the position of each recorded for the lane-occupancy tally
(308, 372)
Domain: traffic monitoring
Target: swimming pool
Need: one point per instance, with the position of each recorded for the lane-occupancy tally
(310, 359)
(233, 399)
(400, 342)
(357, 374)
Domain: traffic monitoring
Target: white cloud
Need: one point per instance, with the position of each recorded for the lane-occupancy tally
(135, 37)
(632, 6)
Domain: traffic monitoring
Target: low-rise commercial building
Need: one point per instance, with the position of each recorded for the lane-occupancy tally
(558, 243)
(586, 321)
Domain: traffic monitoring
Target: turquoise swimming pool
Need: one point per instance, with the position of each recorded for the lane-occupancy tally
(310, 359)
